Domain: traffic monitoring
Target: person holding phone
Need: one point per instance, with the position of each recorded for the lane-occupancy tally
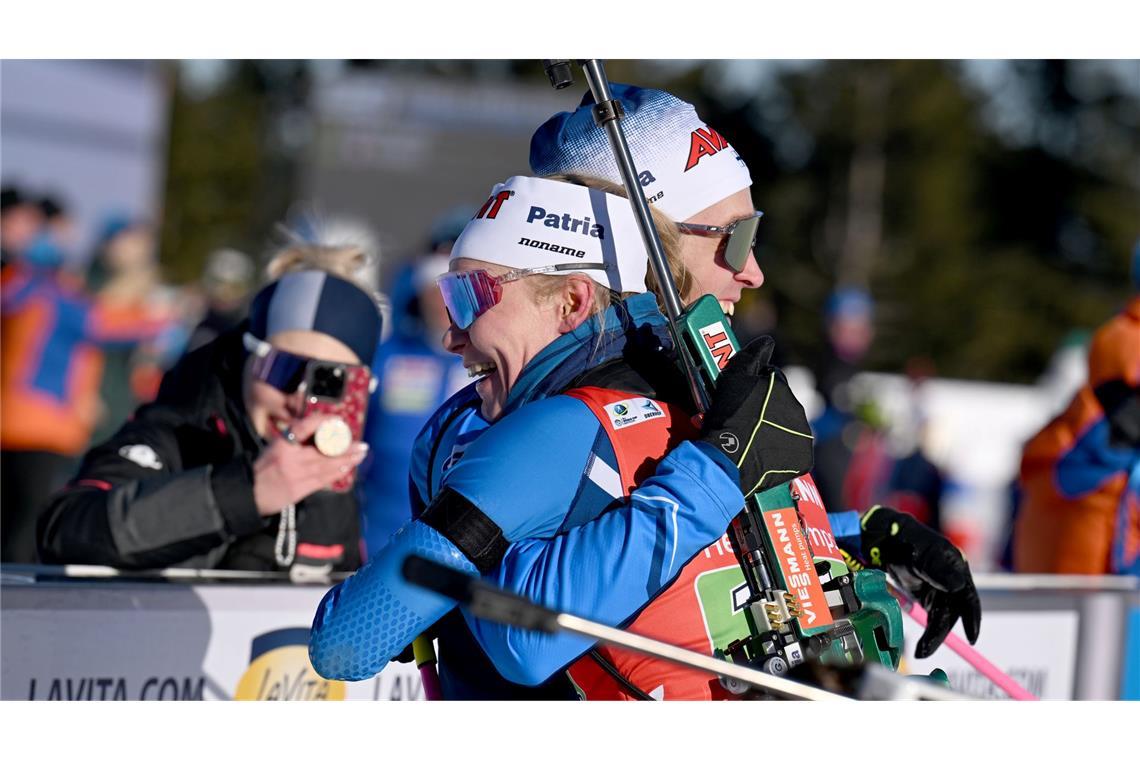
(244, 459)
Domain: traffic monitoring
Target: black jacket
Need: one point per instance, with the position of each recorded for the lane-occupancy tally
(174, 486)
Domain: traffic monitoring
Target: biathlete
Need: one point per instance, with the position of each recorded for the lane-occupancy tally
(609, 583)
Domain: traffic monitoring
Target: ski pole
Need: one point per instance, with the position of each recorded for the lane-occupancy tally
(486, 601)
(424, 653)
(495, 604)
(608, 113)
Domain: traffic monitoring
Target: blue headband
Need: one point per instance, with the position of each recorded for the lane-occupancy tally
(320, 302)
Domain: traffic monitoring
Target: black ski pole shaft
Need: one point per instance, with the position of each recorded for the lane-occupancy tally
(607, 114)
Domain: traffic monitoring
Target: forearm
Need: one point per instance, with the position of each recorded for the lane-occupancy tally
(845, 528)
(147, 523)
(365, 621)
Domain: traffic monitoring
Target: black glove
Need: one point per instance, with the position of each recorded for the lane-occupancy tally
(928, 566)
(756, 422)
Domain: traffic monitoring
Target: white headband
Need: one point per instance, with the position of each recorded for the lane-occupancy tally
(530, 222)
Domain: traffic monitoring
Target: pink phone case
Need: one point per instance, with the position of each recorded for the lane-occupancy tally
(351, 408)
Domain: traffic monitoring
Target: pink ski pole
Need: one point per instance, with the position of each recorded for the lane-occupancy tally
(969, 654)
(424, 653)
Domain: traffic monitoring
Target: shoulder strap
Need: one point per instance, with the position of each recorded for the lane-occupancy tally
(615, 674)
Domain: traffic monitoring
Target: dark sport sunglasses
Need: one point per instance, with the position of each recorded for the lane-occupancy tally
(286, 371)
(741, 238)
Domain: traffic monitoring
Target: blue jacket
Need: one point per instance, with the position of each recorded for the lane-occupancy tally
(540, 473)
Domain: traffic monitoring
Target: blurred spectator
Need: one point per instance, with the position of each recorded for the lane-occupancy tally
(916, 484)
(1080, 475)
(51, 337)
(226, 282)
(58, 223)
(849, 315)
(215, 473)
(447, 227)
(862, 456)
(848, 432)
(21, 219)
(416, 376)
(125, 282)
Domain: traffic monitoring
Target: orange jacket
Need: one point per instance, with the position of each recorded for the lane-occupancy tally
(1080, 511)
(51, 363)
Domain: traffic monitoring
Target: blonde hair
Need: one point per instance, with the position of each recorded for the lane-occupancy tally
(342, 248)
(667, 231)
(348, 256)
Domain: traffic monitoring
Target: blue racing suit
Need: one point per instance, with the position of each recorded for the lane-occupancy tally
(544, 474)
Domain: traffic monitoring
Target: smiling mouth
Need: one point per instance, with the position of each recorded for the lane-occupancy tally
(480, 369)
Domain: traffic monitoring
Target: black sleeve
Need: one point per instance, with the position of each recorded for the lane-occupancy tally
(132, 505)
(1121, 404)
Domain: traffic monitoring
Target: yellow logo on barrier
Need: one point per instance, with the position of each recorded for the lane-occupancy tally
(279, 669)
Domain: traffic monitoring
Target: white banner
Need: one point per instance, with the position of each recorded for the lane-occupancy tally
(1036, 649)
(173, 641)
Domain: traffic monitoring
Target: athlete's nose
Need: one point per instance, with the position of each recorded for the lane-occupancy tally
(751, 276)
(454, 339)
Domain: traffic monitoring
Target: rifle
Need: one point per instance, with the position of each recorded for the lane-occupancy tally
(803, 601)
(489, 602)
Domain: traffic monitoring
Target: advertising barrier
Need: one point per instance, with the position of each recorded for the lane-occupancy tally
(114, 640)
(1060, 637)
(194, 635)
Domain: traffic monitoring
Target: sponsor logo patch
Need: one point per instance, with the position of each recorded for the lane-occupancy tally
(704, 142)
(490, 209)
(279, 670)
(552, 247)
(791, 547)
(718, 343)
(558, 221)
(810, 506)
(632, 411)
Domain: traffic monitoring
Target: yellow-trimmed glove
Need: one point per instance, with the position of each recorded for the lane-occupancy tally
(929, 567)
(757, 422)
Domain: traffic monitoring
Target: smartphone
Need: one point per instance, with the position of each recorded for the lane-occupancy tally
(340, 390)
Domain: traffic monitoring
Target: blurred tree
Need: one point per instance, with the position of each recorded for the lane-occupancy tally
(987, 221)
(981, 252)
(232, 160)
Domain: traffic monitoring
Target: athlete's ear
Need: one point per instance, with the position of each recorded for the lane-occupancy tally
(576, 302)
